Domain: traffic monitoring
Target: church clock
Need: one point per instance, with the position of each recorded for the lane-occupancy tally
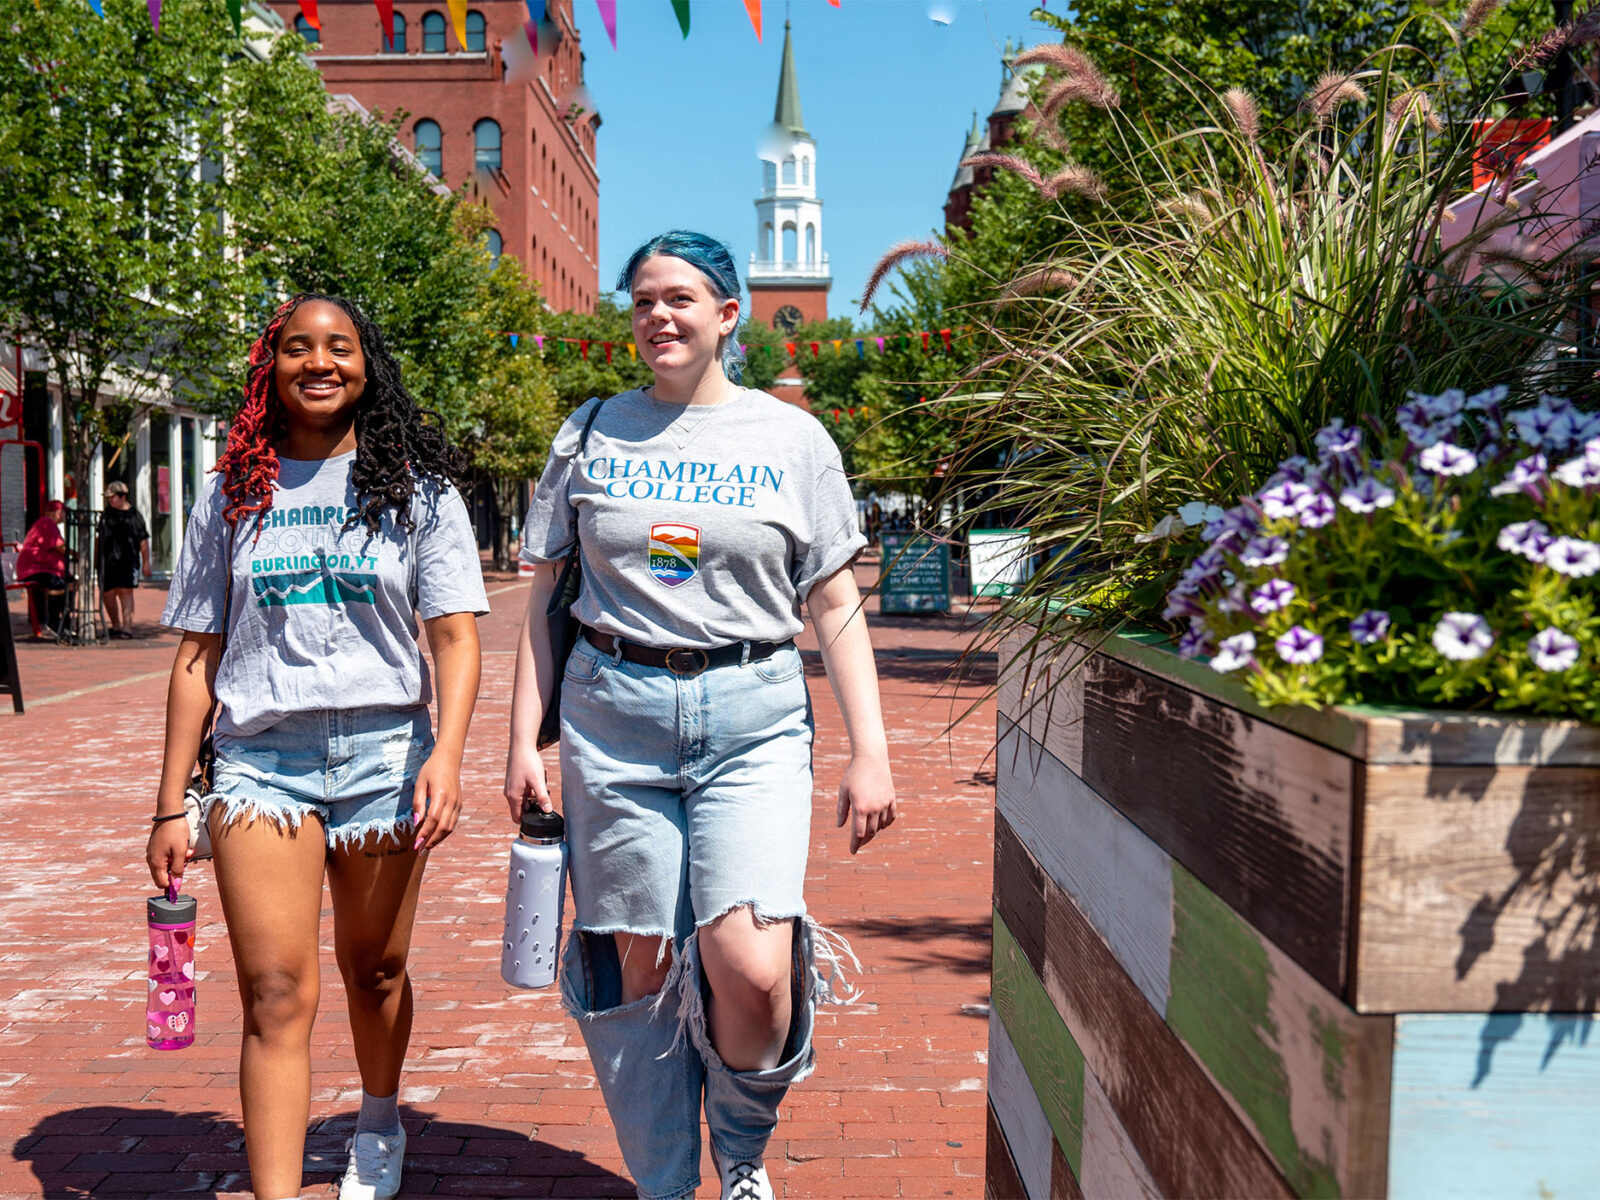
(787, 318)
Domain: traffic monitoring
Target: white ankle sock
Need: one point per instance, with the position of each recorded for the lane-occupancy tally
(379, 1114)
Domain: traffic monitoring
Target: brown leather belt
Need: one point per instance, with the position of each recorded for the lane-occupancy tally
(682, 660)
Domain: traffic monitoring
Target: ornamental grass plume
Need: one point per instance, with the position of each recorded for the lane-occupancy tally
(1477, 13)
(897, 255)
(1330, 91)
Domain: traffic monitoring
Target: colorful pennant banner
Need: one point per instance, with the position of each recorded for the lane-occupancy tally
(681, 9)
(458, 19)
(753, 7)
(308, 10)
(608, 18)
(886, 343)
(386, 21)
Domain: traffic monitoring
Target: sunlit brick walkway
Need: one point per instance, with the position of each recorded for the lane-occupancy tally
(498, 1099)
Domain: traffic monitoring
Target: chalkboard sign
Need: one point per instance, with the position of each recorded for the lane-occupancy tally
(10, 678)
(916, 575)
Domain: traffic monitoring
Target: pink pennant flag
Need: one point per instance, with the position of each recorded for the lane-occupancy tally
(608, 18)
(753, 7)
(539, 339)
(532, 30)
(880, 344)
(155, 14)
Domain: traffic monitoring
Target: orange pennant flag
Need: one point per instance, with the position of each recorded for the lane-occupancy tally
(458, 18)
(753, 7)
(308, 8)
(789, 346)
(633, 352)
(837, 342)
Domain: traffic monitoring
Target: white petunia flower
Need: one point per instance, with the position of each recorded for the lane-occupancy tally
(1299, 645)
(1366, 495)
(1446, 458)
(1233, 653)
(1528, 538)
(1552, 650)
(1462, 636)
(1264, 551)
(1284, 500)
(1573, 556)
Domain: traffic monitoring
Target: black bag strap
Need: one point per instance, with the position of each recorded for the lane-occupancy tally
(583, 447)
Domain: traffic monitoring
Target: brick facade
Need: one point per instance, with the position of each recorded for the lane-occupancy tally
(546, 192)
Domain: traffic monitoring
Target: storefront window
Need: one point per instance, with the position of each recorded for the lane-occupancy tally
(160, 515)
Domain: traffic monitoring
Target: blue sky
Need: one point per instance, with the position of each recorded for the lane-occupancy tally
(886, 90)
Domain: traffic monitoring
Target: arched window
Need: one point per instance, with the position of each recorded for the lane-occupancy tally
(486, 145)
(433, 33)
(811, 243)
(305, 29)
(496, 245)
(476, 27)
(769, 175)
(805, 170)
(429, 145)
(766, 242)
(397, 42)
(791, 238)
(788, 170)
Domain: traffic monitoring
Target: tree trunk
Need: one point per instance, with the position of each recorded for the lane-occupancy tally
(506, 493)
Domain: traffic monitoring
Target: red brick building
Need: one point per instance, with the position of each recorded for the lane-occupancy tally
(994, 134)
(524, 148)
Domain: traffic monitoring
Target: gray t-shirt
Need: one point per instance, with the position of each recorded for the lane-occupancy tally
(700, 526)
(323, 616)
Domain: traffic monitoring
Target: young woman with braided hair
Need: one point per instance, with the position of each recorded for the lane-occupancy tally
(334, 514)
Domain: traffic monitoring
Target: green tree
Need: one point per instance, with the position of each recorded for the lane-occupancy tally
(113, 257)
(577, 375)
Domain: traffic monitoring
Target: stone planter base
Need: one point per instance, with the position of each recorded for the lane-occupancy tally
(1242, 952)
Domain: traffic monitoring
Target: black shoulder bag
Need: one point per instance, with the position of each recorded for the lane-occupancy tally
(563, 626)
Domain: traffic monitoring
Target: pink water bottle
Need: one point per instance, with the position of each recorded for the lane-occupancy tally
(169, 1008)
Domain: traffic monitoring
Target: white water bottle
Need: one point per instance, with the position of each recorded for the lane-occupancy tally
(535, 888)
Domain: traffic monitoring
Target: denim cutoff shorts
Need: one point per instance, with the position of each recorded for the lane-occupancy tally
(685, 796)
(354, 769)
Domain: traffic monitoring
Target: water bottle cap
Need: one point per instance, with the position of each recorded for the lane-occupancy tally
(161, 911)
(546, 826)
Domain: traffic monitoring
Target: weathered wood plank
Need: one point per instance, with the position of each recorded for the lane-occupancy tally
(1019, 892)
(1381, 733)
(1063, 1183)
(1309, 1077)
(1490, 1107)
(1184, 1130)
(1000, 1178)
(1042, 1042)
(1023, 1122)
(1044, 697)
(1261, 816)
(1111, 1164)
(1118, 877)
(1479, 889)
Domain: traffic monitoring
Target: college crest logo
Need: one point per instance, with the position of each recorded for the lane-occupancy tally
(674, 553)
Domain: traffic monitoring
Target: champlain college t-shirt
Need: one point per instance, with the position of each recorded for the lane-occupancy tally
(324, 611)
(698, 526)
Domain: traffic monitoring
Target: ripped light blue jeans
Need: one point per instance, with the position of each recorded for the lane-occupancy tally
(354, 769)
(685, 797)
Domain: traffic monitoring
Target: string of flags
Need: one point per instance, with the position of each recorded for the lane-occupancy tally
(793, 350)
(458, 17)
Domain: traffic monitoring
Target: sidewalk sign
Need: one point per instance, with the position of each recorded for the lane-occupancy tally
(10, 677)
(999, 559)
(916, 575)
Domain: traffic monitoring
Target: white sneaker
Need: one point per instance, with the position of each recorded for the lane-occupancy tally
(746, 1181)
(374, 1169)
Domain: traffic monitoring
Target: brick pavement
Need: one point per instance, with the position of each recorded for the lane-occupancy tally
(498, 1098)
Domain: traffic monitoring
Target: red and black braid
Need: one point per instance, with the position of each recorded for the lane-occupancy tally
(395, 445)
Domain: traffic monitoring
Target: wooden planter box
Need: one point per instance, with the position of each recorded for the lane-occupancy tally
(1250, 952)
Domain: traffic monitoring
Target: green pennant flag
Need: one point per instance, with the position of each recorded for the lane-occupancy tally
(236, 14)
(681, 7)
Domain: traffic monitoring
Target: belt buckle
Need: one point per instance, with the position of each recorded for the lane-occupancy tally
(687, 672)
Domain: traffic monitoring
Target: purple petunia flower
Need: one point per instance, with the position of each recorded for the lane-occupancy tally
(1366, 495)
(1371, 626)
(1234, 652)
(1271, 596)
(1527, 476)
(1462, 636)
(1446, 458)
(1264, 550)
(1317, 511)
(1584, 471)
(1195, 641)
(1183, 601)
(1299, 645)
(1528, 538)
(1295, 469)
(1573, 556)
(1550, 425)
(1229, 531)
(1337, 444)
(1552, 650)
(1284, 500)
(1487, 400)
(1204, 568)
(1429, 419)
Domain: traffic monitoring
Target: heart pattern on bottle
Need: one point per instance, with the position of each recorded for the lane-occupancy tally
(187, 970)
(155, 1032)
(168, 997)
(178, 1022)
(161, 952)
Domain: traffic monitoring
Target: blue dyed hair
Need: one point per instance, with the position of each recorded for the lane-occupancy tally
(714, 261)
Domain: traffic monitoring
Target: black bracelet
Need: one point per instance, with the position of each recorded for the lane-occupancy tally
(168, 817)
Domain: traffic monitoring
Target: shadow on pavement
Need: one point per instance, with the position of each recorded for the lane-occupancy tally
(116, 1150)
(965, 948)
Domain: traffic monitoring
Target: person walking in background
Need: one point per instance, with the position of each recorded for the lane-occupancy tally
(42, 565)
(123, 548)
(704, 516)
(335, 514)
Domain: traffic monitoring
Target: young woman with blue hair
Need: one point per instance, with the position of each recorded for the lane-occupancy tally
(705, 515)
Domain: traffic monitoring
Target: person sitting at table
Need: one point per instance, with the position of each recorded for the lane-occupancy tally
(42, 565)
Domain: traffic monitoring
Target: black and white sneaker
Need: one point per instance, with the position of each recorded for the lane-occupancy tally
(746, 1181)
